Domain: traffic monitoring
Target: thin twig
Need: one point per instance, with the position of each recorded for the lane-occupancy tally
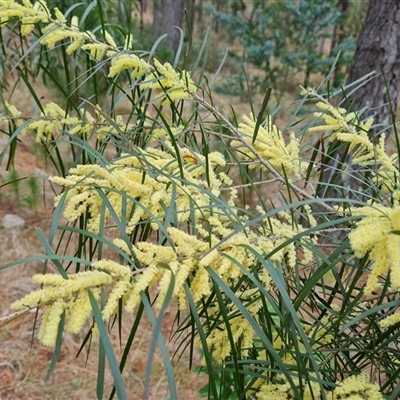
(9, 317)
(250, 184)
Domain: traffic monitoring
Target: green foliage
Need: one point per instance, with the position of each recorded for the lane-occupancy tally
(23, 189)
(33, 198)
(282, 38)
(14, 182)
(226, 221)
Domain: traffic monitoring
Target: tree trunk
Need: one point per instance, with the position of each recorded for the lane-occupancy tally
(216, 21)
(337, 37)
(199, 9)
(157, 7)
(378, 49)
(171, 19)
(191, 10)
(143, 6)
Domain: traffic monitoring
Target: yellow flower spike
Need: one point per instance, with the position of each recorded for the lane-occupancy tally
(367, 124)
(356, 135)
(79, 310)
(118, 291)
(390, 320)
(67, 182)
(122, 245)
(148, 276)
(165, 283)
(242, 332)
(380, 242)
(114, 268)
(44, 322)
(75, 22)
(27, 26)
(357, 385)
(49, 279)
(74, 46)
(56, 288)
(25, 12)
(87, 279)
(188, 245)
(201, 284)
(175, 86)
(59, 15)
(188, 266)
(168, 72)
(110, 40)
(38, 298)
(209, 259)
(128, 61)
(348, 117)
(13, 110)
(48, 335)
(283, 391)
(41, 6)
(393, 247)
(54, 34)
(76, 206)
(131, 299)
(270, 144)
(97, 50)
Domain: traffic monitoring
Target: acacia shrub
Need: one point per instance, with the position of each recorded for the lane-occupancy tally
(277, 308)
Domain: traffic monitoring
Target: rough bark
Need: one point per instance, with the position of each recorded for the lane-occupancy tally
(143, 6)
(157, 7)
(378, 49)
(171, 19)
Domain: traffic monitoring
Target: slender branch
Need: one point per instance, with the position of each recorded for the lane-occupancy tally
(9, 317)
(245, 185)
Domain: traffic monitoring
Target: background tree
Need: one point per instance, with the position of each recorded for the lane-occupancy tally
(339, 35)
(378, 49)
(157, 8)
(283, 39)
(338, 32)
(172, 19)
